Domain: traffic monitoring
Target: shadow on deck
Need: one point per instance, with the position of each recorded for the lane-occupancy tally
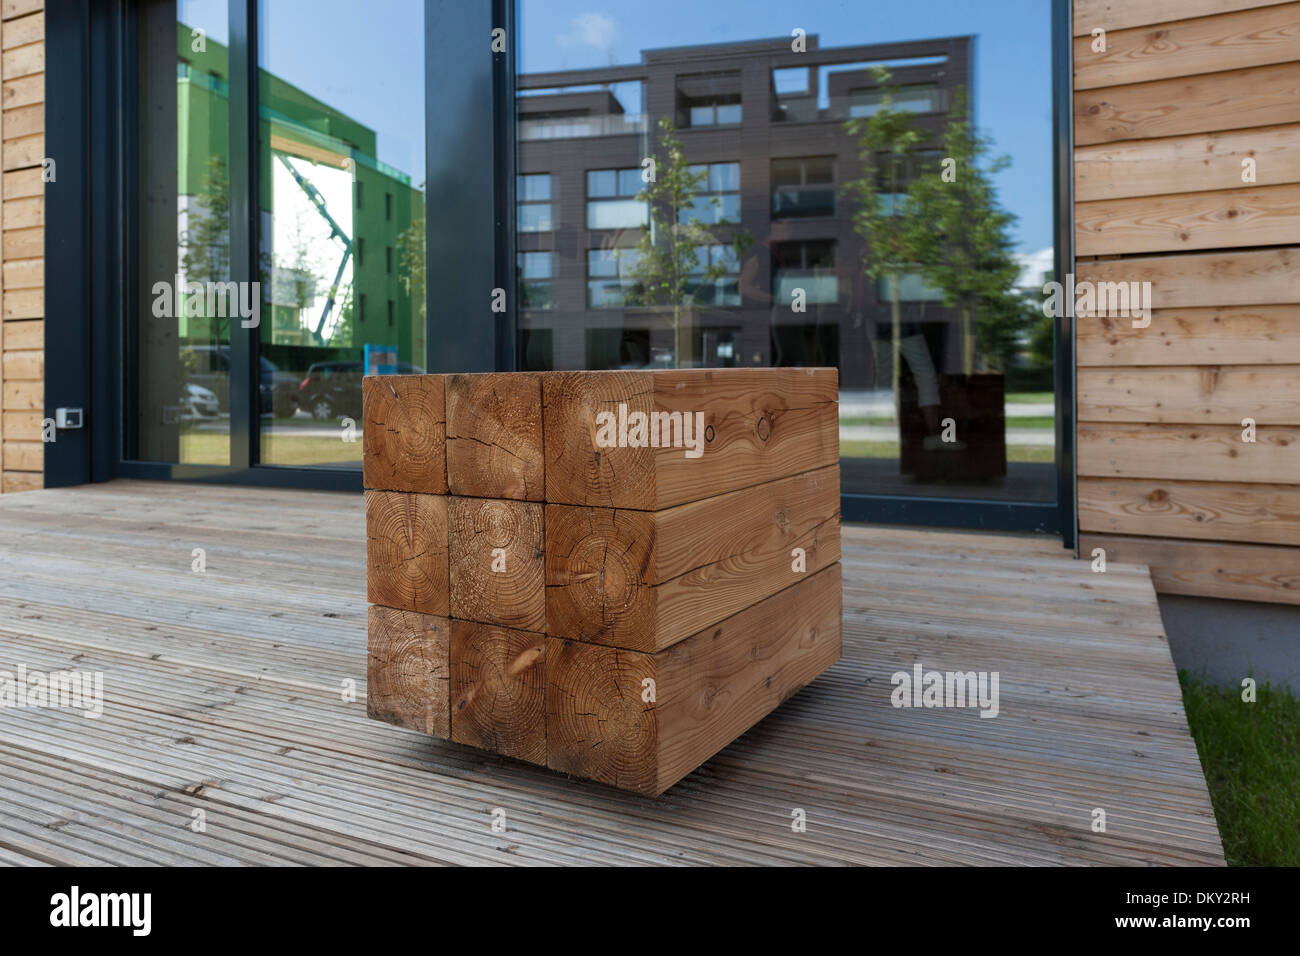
(224, 692)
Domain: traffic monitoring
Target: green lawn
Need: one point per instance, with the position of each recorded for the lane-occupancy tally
(1251, 757)
(1027, 398)
(279, 447)
(1027, 421)
(889, 449)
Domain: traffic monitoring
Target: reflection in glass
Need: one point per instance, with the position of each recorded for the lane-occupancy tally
(182, 326)
(745, 203)
(341, 239)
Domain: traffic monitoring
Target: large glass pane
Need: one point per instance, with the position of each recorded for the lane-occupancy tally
(341, 167)
(801, 213)
(181, 379)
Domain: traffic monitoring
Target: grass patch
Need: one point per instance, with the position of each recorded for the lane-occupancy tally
(1026, 398)
(889, 449)
(1251, 757)
(278, 448)
(1024, 421)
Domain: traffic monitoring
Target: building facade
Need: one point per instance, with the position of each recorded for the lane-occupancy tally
(774, 155)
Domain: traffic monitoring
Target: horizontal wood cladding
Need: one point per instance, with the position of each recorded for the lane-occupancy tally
(1245, 38)
(1268, 394)
(22, 243)
(1264, 514)
(1253, 277)
(1227, 335)
(1124, 14)
(1203, 162)
(1246, 572)
(1209, 220)
(1237, 99)
(1189, 452)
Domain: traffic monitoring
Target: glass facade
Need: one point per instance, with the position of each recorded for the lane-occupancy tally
(762, 196)
(182, 324)
(659, 197)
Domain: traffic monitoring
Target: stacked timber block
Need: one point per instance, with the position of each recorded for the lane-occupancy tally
(611, 574)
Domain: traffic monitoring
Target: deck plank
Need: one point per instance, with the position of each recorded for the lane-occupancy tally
(223, 691)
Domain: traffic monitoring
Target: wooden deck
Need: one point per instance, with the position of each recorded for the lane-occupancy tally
(224, 692)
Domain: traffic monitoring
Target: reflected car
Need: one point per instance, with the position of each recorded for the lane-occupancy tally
(333, 389)
(198, 402)
(210, 368)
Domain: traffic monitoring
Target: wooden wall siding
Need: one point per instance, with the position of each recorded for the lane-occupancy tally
(22, 244)
(1185, 91)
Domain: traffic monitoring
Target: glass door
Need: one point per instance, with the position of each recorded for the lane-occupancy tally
(865, 185)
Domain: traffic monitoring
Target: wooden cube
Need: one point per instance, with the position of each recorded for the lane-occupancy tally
(407, 670)
(404, 433)
(746, 426)
(406, 551)
(496, 553)
(643, 721)
(498, 690)
(617, 574)
(494, 436)
(644, 580)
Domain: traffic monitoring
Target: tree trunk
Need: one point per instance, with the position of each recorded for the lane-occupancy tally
(896, 341)
(967, 342)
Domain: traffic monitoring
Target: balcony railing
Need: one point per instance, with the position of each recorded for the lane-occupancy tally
(575, 127)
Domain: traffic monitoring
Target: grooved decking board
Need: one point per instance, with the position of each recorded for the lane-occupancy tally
(643, 580)
(405, 427)
(1250, 514)
(643, 721)
(494, 435)
(761, 424)
(1243, 335)
(236, 708)
(1207, 394)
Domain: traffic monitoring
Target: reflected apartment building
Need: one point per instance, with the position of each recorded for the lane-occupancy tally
(764, 128)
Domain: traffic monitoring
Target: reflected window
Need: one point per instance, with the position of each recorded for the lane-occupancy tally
(804, 272)
(534, 270)
(611, 277)
(919, 98)
(718, 198)
(803, 188)
(534, 197)
(611, 202)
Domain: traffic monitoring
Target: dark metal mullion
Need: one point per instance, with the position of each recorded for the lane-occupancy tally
(503, 109)
(1063, 187)
(244, 407)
